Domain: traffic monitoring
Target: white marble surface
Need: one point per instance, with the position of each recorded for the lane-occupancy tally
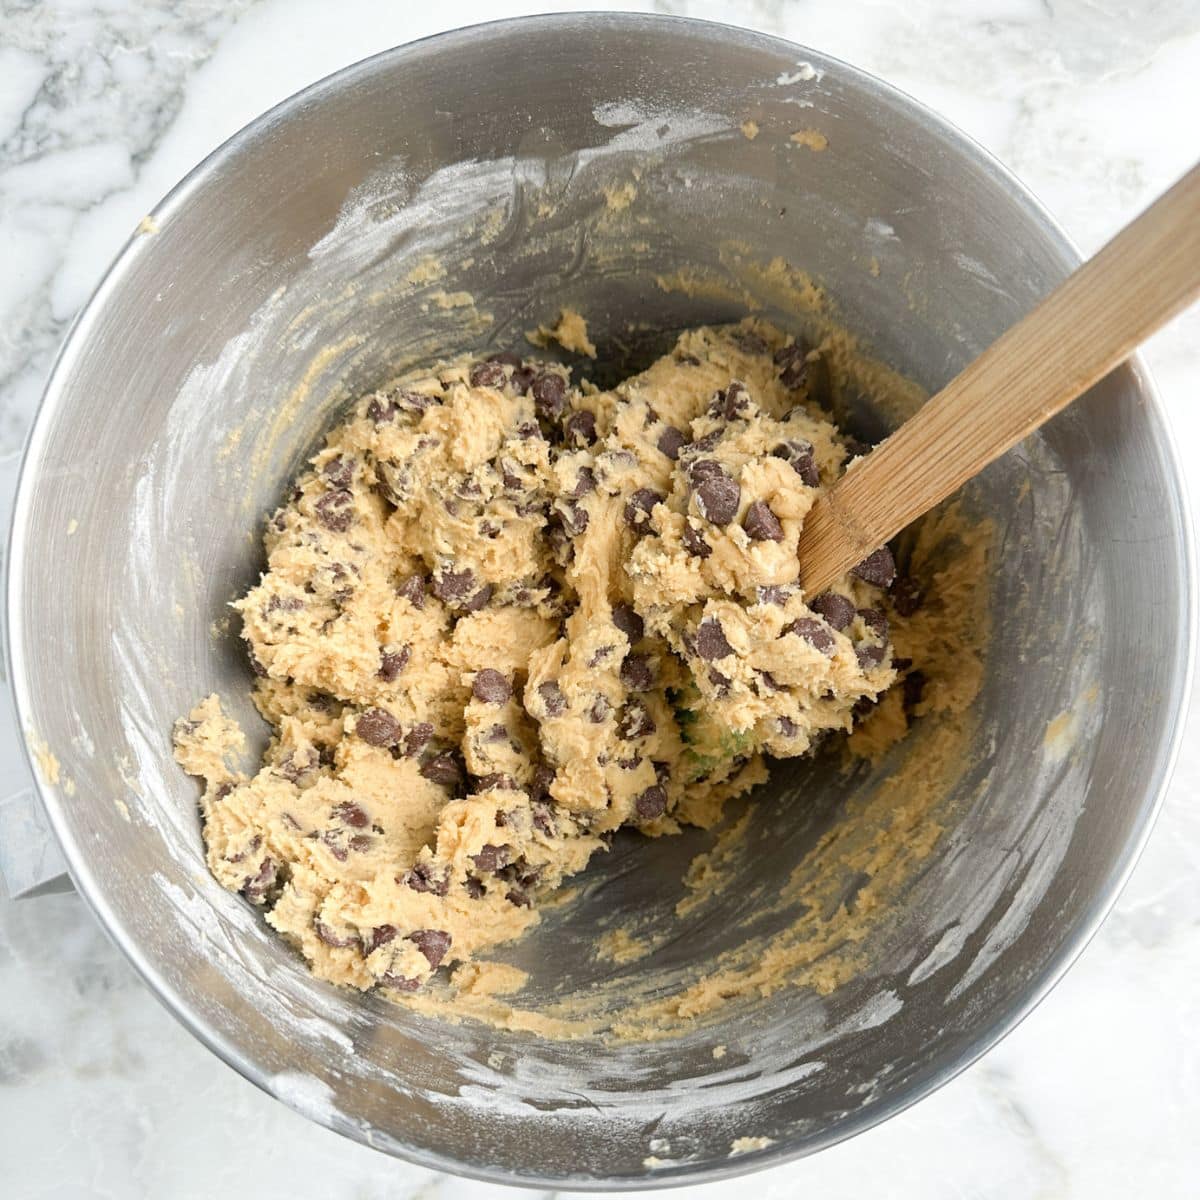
(103, 105)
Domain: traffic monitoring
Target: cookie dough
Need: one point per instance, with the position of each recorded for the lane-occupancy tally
(505, 614)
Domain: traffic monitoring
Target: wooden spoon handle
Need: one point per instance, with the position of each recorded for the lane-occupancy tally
(1094, 320)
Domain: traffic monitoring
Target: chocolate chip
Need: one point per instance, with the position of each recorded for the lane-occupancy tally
(377, 727)
(585, 482)
(511, 474)
(581, 428)
(339, 471)
(638, 509)
(762, 524)
(413, 590)
(907, 595)
(539, 789)
(552, 698)
(710, 640)
(637, 673)
(702, 445)
(458, 589)
(351, 814)
(769, 682)
(558, 542)
(626, 619)
(732, 403)
(379, 936)
(452, 586)
(410, 402)
(635, 721)
(497, 781)
(721, 683)
(384, 409)
(834, 607)
(700, 469)
(491, 859)
(773, 593)
(651, 803)
(488, 374)
(257, 888)
(543, 818)
(475, 889)
(330, 938)
(875, 621)
(292, 768)
(787, 727)
(717, 498)
(445, 769)
(749, 342)
(693, 541)
(600, 654)
(671, 441)
(479, 599)
(574, 517)
(360, 843)
(381, 410)
(423, 878)
(521, 380)
(507, 358)
(528, 431)
(878, 568)
(792, 365)
(392, 662)
(491, 687)
(417, 738)
(333, 842)
(813, 632)
(599, 710)
(549, 395)
(799, 456)
(400, 982)
(433, 943)
(869, 655)
(914, 688)
(335, 510)
(615, 462)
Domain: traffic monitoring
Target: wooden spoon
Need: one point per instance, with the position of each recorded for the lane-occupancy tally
(1094, 320)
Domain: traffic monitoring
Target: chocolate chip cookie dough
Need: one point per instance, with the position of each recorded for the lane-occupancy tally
(505, 614)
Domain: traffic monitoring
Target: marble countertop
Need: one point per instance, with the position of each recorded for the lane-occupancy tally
(103, 105)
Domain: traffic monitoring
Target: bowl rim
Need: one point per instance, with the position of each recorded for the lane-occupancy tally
(1035, 990)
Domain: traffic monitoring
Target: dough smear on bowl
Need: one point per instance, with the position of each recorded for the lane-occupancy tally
(504, 615)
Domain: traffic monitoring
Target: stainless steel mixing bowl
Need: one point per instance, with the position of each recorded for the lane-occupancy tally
(328, 244)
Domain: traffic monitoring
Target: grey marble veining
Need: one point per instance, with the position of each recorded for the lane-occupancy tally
(86, 97)
(104, 104)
